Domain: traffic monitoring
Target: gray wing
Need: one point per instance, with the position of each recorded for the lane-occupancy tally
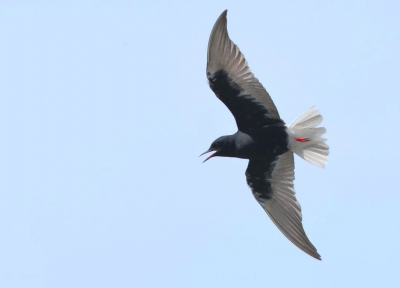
(272, 185)
(234, 84)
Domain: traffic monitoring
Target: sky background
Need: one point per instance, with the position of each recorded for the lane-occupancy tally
(105, 108)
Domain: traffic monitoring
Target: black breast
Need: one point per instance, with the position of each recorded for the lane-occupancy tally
(265, 143)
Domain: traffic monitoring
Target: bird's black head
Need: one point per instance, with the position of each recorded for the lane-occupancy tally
(223, 146)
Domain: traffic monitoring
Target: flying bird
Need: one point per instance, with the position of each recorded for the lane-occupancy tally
(263, 137)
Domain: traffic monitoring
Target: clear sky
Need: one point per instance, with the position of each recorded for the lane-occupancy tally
(105, 107)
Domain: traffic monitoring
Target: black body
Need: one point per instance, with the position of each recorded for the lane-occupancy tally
(259, 136)
(262, 136)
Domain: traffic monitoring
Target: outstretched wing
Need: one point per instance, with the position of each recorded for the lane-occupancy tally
(234, 84)
(272, 185)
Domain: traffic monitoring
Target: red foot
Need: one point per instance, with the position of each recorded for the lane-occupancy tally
(301, 139)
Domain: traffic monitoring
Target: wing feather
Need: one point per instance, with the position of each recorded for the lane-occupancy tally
(233, 82)
(280, 204)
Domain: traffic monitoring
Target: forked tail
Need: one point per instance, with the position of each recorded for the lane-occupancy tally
(305, 138)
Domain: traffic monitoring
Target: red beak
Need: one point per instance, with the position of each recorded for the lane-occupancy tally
(212, 155)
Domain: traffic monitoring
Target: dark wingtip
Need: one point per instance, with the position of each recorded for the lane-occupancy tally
(318, 257)
(223, 14)
(221, 19)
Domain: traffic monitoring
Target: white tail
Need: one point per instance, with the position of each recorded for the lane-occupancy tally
(305, 138)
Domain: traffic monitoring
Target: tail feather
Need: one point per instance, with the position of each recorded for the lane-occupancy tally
(312, 146)
(309, 119)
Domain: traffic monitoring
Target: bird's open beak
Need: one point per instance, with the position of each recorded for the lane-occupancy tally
(212, 155)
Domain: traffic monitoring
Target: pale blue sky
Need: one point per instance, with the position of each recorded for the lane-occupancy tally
(105, 108)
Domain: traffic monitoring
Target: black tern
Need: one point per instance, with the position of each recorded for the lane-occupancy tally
(263, 137)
